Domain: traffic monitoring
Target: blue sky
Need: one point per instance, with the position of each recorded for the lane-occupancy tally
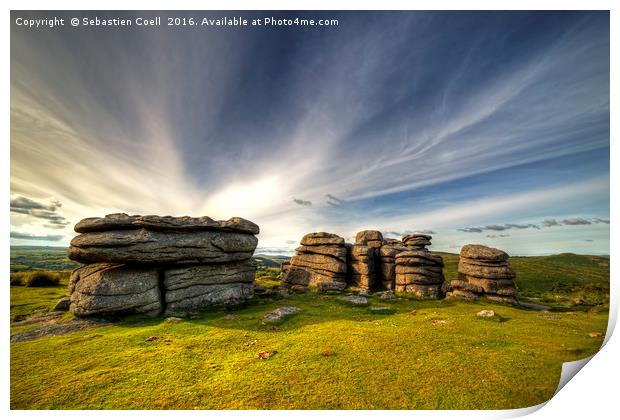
(450, 122)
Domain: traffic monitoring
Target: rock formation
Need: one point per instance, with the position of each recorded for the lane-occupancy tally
(419, 272)
(484, 271)
(417, 241)
(325, 261)
(150, 264)
(387, 254)
(364, 261)
(321, 260)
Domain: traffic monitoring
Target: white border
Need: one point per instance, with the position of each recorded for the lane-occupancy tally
(592, 393)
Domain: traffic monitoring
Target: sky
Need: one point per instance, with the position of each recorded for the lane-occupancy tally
(477, 127)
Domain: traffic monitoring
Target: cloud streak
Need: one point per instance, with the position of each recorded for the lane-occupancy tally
(573, 221)
(30, 237)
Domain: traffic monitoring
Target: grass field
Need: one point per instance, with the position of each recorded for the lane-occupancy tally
(425, 355)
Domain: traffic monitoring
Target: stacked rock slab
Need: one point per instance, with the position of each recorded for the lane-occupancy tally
(419, 272)
(387, 254)
(364, 261)
(150, 264)
(417, 241)
(484, 271)
(320, 262)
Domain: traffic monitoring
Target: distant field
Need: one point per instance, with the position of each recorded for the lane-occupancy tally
(35, 258)
(423, 355)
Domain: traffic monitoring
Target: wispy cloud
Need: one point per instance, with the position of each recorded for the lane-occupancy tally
(334, 201)
(27, 206)
(576, 221)
(31, 237)
(599, 220)
(305, 203)
(545, 223)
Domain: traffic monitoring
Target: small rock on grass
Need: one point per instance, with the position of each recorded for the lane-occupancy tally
(230, 317)
(150, 338)
(354, 300)
(595, 334)
(63, 304)
(386, 295)
(486, 313)
(266, 354)
(279, 314)
(174, 319)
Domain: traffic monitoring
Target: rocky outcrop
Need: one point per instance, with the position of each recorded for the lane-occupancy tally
(364, 263)
(484, 271)
(387, 254)
(150, 264)
(419, 272)
(321, 259)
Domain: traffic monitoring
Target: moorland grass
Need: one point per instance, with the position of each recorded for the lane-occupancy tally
(427, 355)
(418, 355)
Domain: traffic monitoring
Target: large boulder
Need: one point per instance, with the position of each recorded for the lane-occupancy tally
(106, 289)
(369, 238)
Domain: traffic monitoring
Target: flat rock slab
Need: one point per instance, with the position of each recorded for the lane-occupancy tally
(150, 247)
(339, 252)
(58, 329)
(203, 296)
(488, 272)
(481, 252)
(332, 286)
(354, 300)
(279, 314)
(319, 262)
(417, 236)
(322, 238)
(386, 295)
(486, 313)
(194, 275)
(418, 257)
(120, 221)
